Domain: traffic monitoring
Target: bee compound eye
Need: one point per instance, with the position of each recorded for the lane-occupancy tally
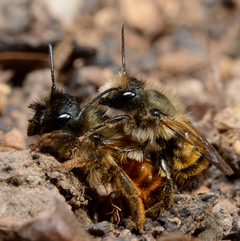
(123, 97)
(55, 123)
(155, 112)
(64, 116)
(120, 100)
(129, 94)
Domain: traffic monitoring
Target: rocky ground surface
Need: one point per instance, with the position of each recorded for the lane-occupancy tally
(192, 46)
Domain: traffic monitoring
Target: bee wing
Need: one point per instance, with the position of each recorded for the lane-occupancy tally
(189, 132)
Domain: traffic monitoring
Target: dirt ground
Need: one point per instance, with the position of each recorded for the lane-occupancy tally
(192, 46)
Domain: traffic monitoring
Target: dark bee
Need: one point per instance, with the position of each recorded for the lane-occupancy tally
(178, 154)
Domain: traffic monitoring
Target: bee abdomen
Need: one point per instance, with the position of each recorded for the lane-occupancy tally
(192, 176)
(144, 175)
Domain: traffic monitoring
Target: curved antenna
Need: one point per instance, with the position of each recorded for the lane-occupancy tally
(95, 99)
(52, 69)
(124, 71)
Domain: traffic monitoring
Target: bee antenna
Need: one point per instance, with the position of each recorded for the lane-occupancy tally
(95, 99)
(123, 51)
(52, 69)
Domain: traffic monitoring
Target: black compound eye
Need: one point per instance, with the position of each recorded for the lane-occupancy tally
(65, 116)
(60, 120)
(122, 99)
(55, 123)
(119, 100)
(129, 94)
(155, 112)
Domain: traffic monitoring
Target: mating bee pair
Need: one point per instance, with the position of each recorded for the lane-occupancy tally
(133, 134)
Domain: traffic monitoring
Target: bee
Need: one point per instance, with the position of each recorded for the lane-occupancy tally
(177, 154)
(76, 131)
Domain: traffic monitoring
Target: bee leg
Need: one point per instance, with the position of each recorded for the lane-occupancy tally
(168, 192)
(80, 161)
(115, 211)
(51, 138)
(106, 123)
(132, 193)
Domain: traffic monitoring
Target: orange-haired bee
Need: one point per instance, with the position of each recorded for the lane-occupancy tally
(178, 154)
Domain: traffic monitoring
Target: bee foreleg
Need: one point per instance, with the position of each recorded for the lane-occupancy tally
(168, 191)
(52, 137)
(106, 123)
(132, 193)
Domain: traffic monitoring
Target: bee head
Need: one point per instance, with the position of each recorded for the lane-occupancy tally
(127, 98)
(129, 95)
(134, 96)
(59, 111)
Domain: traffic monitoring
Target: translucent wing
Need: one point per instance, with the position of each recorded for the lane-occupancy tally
(188, 131)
